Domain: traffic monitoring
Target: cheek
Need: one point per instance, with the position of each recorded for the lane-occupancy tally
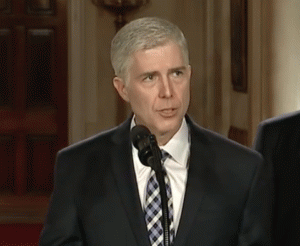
(188, 94)
(185, 95)
(139, 100)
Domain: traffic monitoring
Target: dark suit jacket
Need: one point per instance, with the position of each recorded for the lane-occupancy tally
(96, 201)
(278, 139)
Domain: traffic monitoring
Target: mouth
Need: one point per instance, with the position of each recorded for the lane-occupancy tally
(167, 112)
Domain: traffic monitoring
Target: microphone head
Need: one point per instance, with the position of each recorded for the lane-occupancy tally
(138, 134)
(140, 137)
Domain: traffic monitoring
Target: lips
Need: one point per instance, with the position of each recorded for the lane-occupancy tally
(167, 112)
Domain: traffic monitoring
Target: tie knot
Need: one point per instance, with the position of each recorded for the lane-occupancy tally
(164, 155)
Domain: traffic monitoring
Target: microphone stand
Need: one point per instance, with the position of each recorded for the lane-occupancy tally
(160, 175)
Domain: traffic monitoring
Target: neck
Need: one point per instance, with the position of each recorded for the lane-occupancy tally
(163, 139)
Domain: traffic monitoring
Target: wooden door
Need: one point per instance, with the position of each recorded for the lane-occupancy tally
(33, 104)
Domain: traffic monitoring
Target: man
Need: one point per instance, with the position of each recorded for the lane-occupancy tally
(278, 139)
(219, 189)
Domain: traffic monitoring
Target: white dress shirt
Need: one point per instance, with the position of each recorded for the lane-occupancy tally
(176, 166)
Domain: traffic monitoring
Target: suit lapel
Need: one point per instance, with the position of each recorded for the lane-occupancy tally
(201, 162)
(201, 159)
(126, 181)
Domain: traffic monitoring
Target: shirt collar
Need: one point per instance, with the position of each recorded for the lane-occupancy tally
(178, 144)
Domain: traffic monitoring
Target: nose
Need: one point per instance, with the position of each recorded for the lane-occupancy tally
(166, 89)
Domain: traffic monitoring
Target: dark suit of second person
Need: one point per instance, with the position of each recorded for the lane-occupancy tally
(278, 140)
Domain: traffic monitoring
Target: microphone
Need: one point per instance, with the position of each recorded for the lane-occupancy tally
(150, 155)
(148, 151)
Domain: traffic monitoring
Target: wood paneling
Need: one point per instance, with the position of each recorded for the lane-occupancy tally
(33, 104)
(7, 160)
(40, 7)
(6, 67)
(41, 156)
(238, 135)
(40, 61)
(238, 19)
(5, 6)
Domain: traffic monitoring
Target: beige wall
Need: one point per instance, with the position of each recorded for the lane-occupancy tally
(272, 65)
(284, 83)
(274, 59)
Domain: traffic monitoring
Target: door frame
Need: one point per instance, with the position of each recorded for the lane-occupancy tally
(76, 23)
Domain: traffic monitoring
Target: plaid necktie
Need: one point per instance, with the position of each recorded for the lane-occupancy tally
(153, 208)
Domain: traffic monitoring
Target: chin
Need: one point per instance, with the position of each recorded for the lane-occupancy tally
(169, 127)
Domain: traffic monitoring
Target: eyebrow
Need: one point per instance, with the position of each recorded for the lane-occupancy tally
(178, 68)
(145, 74)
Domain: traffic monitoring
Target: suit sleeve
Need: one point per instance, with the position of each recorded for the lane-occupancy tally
(61, 226)
(257, 215)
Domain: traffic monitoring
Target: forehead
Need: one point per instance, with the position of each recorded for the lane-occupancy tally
(167, 54)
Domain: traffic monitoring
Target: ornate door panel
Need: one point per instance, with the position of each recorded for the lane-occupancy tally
(33, 104)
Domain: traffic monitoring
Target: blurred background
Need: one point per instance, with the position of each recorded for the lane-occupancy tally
(56, 81)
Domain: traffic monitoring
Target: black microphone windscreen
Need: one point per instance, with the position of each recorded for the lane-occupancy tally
(139, 133)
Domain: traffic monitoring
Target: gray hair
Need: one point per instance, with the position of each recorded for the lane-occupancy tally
(143, 33)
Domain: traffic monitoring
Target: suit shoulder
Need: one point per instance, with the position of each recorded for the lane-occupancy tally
(101, 139)
(282, 120)
(225, 145)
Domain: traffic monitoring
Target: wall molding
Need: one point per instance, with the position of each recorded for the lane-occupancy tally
(256, 59)
(76, 19)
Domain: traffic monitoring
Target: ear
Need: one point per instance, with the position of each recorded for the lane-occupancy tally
(190, 71)
(120, 86)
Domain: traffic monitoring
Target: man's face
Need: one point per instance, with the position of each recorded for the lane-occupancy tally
(158, 89)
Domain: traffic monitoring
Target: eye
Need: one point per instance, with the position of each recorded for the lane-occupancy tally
(178, 73)
(149, 77)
